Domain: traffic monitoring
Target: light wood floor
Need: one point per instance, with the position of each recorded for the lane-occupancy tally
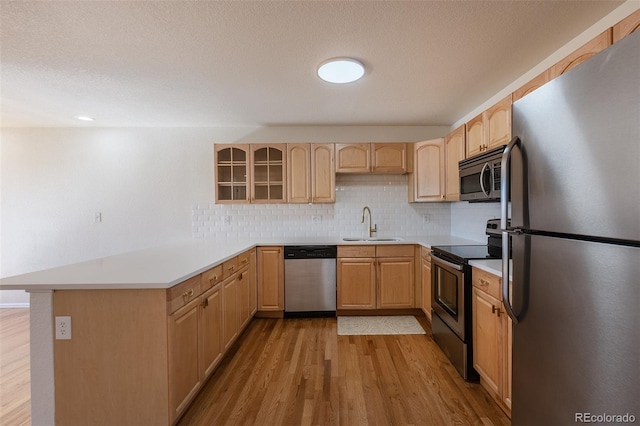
(299, 372)
(15, 380)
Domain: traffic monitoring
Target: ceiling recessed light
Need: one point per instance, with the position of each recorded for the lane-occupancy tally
(341, 70)
(84, 118)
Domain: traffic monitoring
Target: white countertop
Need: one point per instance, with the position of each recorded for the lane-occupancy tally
(168, 265)
(492, 266)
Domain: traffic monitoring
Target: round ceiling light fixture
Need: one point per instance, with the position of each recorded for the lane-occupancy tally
(341, 70)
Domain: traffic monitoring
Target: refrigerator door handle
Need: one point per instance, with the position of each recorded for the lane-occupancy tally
(504, 211)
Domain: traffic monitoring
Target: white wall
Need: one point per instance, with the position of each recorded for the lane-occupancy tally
(144, 181)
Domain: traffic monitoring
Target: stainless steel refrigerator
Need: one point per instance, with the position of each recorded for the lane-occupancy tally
(574, 188)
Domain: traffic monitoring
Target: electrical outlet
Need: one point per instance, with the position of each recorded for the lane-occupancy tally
(63, 328)
(97, 217)
(227, 220)
(426, 218)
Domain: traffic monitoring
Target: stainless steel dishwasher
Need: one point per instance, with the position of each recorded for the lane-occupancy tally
(309, 281)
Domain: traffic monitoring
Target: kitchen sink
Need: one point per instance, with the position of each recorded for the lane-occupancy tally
(373, 239)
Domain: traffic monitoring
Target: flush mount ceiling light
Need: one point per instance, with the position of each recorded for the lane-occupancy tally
(85, 118)
(341, 70)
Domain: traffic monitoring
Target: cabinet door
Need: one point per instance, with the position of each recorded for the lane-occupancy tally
(243, 302)
(323, 173)
(389, 158)
(232, 173)
(580, 55)
(486, 349)
(229, 311)
(211, 329)
(270, 279)
(475, 136)
(353, 158)
(627, 26)
(184, 363)
(253, 284)
(497, 123)
(426, 286)
(269, 170)
(454, 151)
(426, 183)
(396, 283)
(299, 173)
(356, 283)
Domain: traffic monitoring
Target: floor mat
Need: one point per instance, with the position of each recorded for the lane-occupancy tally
(406, 324)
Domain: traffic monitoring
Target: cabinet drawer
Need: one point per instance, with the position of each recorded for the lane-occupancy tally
(356, 251)
(243, 259)
(425, 253)
(211, 277)
(229, 267)
(183, 293)
(396, 250)
(487, 282)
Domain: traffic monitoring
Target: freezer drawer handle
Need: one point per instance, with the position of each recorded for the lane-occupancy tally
(505, 174)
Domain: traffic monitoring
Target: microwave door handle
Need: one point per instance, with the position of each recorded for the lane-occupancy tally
(484, 169)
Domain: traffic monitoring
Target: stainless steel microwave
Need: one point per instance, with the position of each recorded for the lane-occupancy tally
(480, 176)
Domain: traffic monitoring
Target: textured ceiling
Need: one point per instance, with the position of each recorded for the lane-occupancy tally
(236, 63)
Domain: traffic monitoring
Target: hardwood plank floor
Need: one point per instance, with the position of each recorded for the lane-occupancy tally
(300, 372)
(15, 380)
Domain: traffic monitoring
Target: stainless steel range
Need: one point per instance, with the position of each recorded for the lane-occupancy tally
(451, 320)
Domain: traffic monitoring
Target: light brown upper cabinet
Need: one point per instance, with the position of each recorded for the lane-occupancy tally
(311, 173)
(625, 27)
(490, 129)
(454, 151)
(232, 169)
(475, 136)
(389, 158)
(268, 183)
(426, 181)
(353, 158)
(538, 81)
(497, 124)
(581, 54)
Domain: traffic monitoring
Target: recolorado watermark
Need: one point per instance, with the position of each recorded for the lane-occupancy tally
(604, 418)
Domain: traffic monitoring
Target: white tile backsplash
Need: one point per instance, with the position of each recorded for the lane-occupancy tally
(469, 220)
(386, 196)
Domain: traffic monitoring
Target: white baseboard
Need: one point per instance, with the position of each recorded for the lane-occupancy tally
(14, 305)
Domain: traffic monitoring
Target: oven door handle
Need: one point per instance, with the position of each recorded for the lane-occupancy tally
(447, 263)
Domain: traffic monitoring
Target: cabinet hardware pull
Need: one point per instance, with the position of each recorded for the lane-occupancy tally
(213, 279)
(495, 310)
(244, 261)
(483, 282)
(205, 303)
(187, 294)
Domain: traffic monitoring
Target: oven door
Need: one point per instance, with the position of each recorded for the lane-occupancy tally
(447, 281)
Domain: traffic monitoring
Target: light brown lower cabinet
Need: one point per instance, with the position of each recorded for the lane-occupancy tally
(376, 277)
(211, 330)
(184, 356)
(270, 264)
(492, 337)
(229, 311)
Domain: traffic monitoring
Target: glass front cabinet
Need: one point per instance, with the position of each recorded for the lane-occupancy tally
(232, 173)
(250, 173)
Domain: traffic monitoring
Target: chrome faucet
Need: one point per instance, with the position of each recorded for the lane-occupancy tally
(375, 227)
